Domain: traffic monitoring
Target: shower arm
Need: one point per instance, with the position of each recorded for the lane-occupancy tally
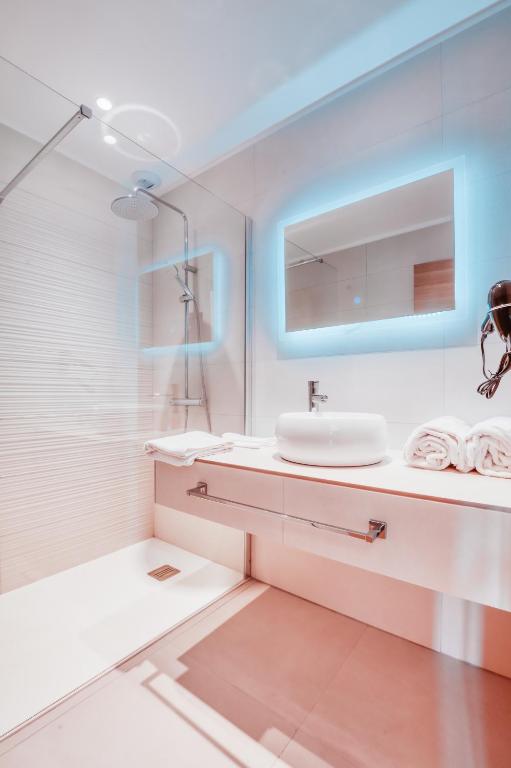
(176, 210)
(83, 112)
(172, 208)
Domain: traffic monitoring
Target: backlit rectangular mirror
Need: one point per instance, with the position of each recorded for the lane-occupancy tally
(388, 255)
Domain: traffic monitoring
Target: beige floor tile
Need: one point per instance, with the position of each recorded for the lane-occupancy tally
(160, 714)
(399, 705)
(280, 649)
(268, 680)
(305, 751)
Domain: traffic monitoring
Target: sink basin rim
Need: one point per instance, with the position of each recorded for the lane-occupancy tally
(332, 438)
(334, 415)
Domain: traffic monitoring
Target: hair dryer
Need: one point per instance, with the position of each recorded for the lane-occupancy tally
(497, 318)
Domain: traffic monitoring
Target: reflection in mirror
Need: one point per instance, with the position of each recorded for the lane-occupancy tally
(389, 255)
(169, 295)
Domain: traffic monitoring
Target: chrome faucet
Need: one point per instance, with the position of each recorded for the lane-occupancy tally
(314, 397)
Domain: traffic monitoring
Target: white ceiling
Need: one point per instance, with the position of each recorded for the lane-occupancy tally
(193, 80)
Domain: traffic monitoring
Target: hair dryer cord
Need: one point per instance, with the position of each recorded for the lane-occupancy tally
(490, 386)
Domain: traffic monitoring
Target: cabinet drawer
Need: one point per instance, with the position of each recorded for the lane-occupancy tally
(237, 485)
(460, 550)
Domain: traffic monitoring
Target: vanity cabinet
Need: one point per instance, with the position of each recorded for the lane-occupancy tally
(464, 551)
(457, 548)
(242, 486)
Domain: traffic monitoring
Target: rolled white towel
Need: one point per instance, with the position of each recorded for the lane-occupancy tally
(439, 443)
(248, 441)
(183, 449)
(489, 446)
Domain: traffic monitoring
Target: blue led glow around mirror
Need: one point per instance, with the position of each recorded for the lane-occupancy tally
(219, 308)
(408, 332)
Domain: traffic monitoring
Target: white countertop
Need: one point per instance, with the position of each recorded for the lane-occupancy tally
(391, 475)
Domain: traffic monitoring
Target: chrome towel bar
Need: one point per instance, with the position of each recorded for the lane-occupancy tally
(377, 529)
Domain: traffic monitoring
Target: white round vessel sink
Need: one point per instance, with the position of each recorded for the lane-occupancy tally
(331, 438)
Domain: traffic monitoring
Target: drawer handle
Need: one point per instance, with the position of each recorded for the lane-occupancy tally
(377, 529)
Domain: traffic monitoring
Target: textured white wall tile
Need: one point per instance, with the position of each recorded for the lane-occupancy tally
(75, 403)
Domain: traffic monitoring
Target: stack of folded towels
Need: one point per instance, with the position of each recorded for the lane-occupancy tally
(448, 441)
(183, 449)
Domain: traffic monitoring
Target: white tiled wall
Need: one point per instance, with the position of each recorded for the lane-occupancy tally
(75, 402)
(453, 99)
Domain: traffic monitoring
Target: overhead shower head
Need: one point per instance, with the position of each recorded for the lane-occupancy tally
(135, 207)
(138, 205)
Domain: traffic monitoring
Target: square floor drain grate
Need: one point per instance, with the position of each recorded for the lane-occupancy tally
(163, 572)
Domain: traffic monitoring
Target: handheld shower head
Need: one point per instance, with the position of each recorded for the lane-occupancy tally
(187, 293)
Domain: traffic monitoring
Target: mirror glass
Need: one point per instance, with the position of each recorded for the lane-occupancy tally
(389, 255)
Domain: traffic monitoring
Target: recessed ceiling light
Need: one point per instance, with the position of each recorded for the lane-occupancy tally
(104, 103)
(109, 139)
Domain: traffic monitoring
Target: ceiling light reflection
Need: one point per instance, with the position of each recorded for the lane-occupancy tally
(104, 103)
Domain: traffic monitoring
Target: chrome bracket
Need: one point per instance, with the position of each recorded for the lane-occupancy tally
(377, 529)
(83, 112)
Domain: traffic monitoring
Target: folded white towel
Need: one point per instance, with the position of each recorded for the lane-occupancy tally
(182, 450)
(439, 443)
(247, 441)
(174, 461)
(489, 446)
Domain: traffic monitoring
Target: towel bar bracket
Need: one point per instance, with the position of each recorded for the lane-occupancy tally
(377, 529)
